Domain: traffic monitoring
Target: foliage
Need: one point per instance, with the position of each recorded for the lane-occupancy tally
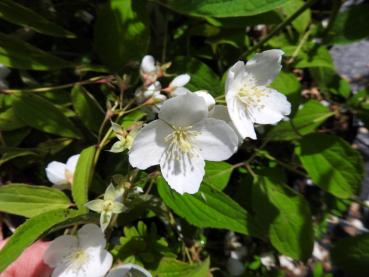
(75, 68)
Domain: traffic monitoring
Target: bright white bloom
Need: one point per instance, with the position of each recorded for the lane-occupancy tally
(61, 174)
(248, 98)
(111, 204)
(180, 140)
(129, 270)
(83, 255)
(148, 64)
(268, 260)
(180, 81)
(287, 262)
(209, 100)
(4, 71)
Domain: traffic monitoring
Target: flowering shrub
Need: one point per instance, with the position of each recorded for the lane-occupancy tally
(180, 138)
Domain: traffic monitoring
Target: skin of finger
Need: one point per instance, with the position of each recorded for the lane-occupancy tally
(30, 263)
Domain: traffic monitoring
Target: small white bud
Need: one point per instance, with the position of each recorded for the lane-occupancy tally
(148, 64)
(180, 81)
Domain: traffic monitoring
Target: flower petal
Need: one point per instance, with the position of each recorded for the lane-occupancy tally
(105, 218)
(180, 91)
(110, 193)
(209, 100)
(55, 172)
(184, 174)
(95, 205)
(274, 106)
(217, 141)
(237, 69)
(148, 64)
(126, 269)
(265, 66)
(184, 110)
(90, 235)
(239, 117)
(99, 263)
(117, 207)
(59, 248)
(72, 163)
(149, 144)
(180, 81)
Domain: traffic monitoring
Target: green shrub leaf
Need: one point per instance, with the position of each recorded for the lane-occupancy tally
(332, 164)
(30, 201)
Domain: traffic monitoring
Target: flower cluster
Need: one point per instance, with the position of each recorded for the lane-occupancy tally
(191, 129)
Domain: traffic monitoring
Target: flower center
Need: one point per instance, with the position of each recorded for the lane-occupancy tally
(108, 205)
(76, 260)
(68, 176)
(251, 94)
(180, 141)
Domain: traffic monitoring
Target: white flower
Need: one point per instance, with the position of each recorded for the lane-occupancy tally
(148, 64)
(180, 81)
(268, 260)
(128, 270)
(107, 207)
(248, 98)
(209, 99)
(83, 255)
(180, 140)
(61, 174)
(4, 71)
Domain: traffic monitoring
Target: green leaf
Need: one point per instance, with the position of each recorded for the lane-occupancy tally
(285, 216)
(315, 57)
(87, 108)
(121, 32)
(332, 164)
(352, 255)
(169, 267)
(41, 114)
(19, 54)
(217, 174)
(306, 120)
(207, 208)
(289, 85)
(30, 231)
(83, 176)
(10, 153)
(15, 13)
(225, 8)
(202, 76)
(301, 22)
(30, 201)
(9, 122)
(350, 25)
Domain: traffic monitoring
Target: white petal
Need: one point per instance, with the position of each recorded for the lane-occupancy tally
(55, 172)
(72, 163)
(209, 100)
(124, 270)
(184, 174)
(152, 89)
(220, 112)
(180, 81)
(90, 236)
(149, 144)
(184, 110)
(148, 64)
(274, 107)
(265, 66)
(110, 192)
(99, 263)
(59, 248)
(217, 141)
(239, 117)
(95, 205)
(105, 218)
(236, 69)
(180, 91)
